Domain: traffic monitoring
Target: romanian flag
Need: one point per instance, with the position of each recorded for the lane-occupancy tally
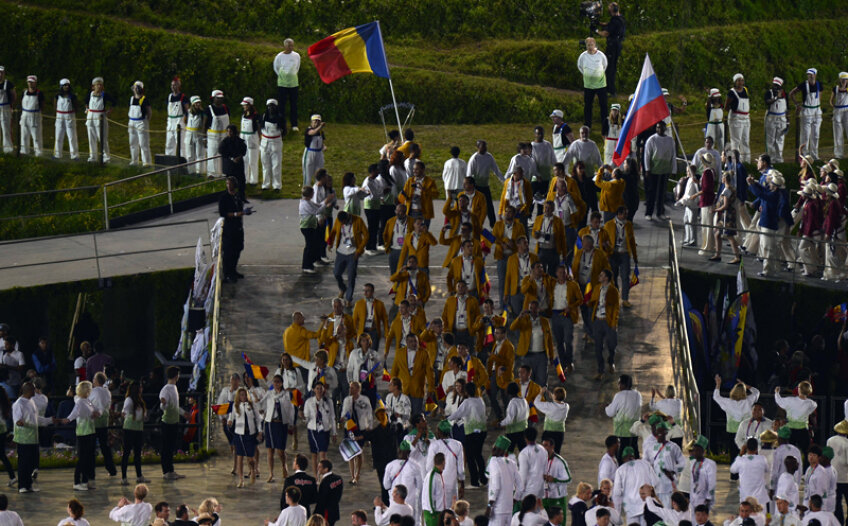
(296, 398)
(489, 338)
(469, 369)
(533, 415)
(320, 377)
(487, 241)
(353, 50)
(380, 403)
(350, 424)
(221, 409)
(485, 284)
(430, 405)
(440, 393)
(255, 371)
(837, 313)
(559, 370)
(634, 278)
(386, 376)
(587, 293)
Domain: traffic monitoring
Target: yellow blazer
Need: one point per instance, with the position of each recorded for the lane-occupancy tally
(574, 191)
(524, 326)
(360, 314)
(599, 263)
(455, 274)
(558, 233)
(401, 281)
(472, 312)
(428, 193)
(480, 375)
(612, 304)
(612, 193)
(530, 289)
(428, 338)
(422, 253)
(526, 208)
(512, 286)
(629, 238)
(480, 328)
(454, 242)
(478, 207)
(533, 390)
(296, 341)
(500, 238)
(396, 335)
(453, 215)
(419, 315)
(573, 297)
(334, 353)
(360, 234)
(420, 382)
(604, 241)
(389, 231)
(504, 358)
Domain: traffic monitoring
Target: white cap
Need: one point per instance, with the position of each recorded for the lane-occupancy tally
(95, 80)
(315, 117)
(32, 78)
(738, 76)
(778, 81)
(615, 106)
(714, 92)
(557, 113)
(832, 188)
(812, 71)
(664, 92)
(2, 68)
(247, 100)
(63, 82)
(194, 98)
(271, 101)
(217, 93)
(138, 84)
(842, 74)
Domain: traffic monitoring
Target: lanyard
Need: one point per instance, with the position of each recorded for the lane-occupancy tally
(400, 470)
(660, 451)
(748, 430)
(696, 473)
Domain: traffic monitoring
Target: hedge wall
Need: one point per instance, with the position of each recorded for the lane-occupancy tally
(442, 20)
(137, 315)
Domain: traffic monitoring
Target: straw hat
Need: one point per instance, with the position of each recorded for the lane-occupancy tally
(841, 427)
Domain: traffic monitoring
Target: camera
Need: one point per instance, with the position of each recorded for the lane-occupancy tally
(592, 10)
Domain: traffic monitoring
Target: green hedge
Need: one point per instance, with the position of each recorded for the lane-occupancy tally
(443, 20)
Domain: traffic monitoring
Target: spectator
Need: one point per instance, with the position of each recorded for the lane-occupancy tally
(592, 64)
(135, 514)
(75, 512)
(614, 32)
(97, 362)
(13, 362)
(7, 517)
(183, 517)
(44, 361)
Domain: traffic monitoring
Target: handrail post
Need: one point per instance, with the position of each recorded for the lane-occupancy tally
(170, 195)
(105, 210)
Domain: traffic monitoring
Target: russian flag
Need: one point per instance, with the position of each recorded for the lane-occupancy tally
(647, 109)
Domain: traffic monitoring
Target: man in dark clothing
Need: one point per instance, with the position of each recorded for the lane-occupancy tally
(232, 150)
(183, 517)
(383, 447)
(614, 32)
(329, 493)
(302, 481)
(231, 208)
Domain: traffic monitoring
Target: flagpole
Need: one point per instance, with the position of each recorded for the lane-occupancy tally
(394, 102)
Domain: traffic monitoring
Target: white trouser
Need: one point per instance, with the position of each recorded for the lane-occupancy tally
(690, 226)
(810, 126)
(171, 137)
(251, 159)
(840, 131)
(272, 160)
(6, 128)
(716, 131)
(786, 245)
(213, 139)
(775, 124)
(707, 221)
(139, 134)
(312, 162)
(834, 259)
(66, 125)
(740, 130)
(94, 139)
(609, 150)
(752, 240)
(743, 218)
(768, 240)
(193, 150)
(31, 129)
(500, 519)
(809, 252)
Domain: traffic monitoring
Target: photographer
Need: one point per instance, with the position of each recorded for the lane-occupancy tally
(614, 33)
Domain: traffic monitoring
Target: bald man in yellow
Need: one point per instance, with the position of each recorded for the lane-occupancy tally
(296, 337)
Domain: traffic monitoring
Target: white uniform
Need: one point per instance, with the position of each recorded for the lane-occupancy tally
(591, 516)
(810, 117)
(97, 127)
(825, 518)
(821, 481)
(359, 410)
(778, 467)
(750, 428)
(703, 482)
(435, 497)
(194, 147)
(789, 519)
(545, 158)
(31, 128)
(271, 153)
(840, 121)
(251, 159)
(6, 116)
(526, 162)
(138, 130)
(313, 158)
(66, 124)
(788, 489)
(668, 515)
(176, 119)
(665, 456)
(629, 477)
(557, 468)
(736, 410)
(798, 410)
(739, 124)
(607, 468)
(776, 123)
(504, 484)
(610, 141)
(454, 471)
(753, 473)
(556, 142)
(715, 128)
(215, 132)
(532, 461)
(453, 175)
(291, 516)
(408, 473)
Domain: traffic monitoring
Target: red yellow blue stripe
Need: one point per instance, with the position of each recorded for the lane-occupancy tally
(353, 50)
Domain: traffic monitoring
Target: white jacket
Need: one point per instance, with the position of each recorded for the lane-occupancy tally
(360, 410)
(244, 412)
(312, 408)
(286, 411)
(531, 466)
(504, 484)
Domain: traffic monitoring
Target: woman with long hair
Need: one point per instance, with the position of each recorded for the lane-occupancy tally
(134, 412)
(247, 429)
(75, 512)
(84, 414)
(5, 416)
(279, 415)
(292, 381)
(726, 214)
(257, 396)
(455, 397)
(528, 514)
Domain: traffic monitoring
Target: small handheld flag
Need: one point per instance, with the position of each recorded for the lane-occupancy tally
(469, 369)
(430, 405)
(350, 424)
(221, 409)
(386, 376)
(533, 414)
(296, 398)
(440, 393)
(634, 278)
(587, 293)
(254, 371)
(380, 403)
(560, 372)
(485, 284)
(327, 234)
(837, 313)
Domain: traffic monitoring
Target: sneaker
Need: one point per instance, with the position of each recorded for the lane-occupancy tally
(141, 480)
(170, 476)
(475, 486)
(125, 482)
(325, 261)
(25, 490)
(35, 489)
(370, 252)
(177, 475)
(381, 248)
(308, 270)
(649, 218)
(81, 487)
(12, 482)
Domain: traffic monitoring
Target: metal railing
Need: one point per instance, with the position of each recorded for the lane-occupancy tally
(213, 350)
(678, 334)
(104, 189)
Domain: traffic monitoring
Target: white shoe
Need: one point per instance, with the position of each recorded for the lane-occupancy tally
(326, 261)
(81, 487)
(370, 252)
(381, 248)
(308, 270)
(295, 128)
(12, 482)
